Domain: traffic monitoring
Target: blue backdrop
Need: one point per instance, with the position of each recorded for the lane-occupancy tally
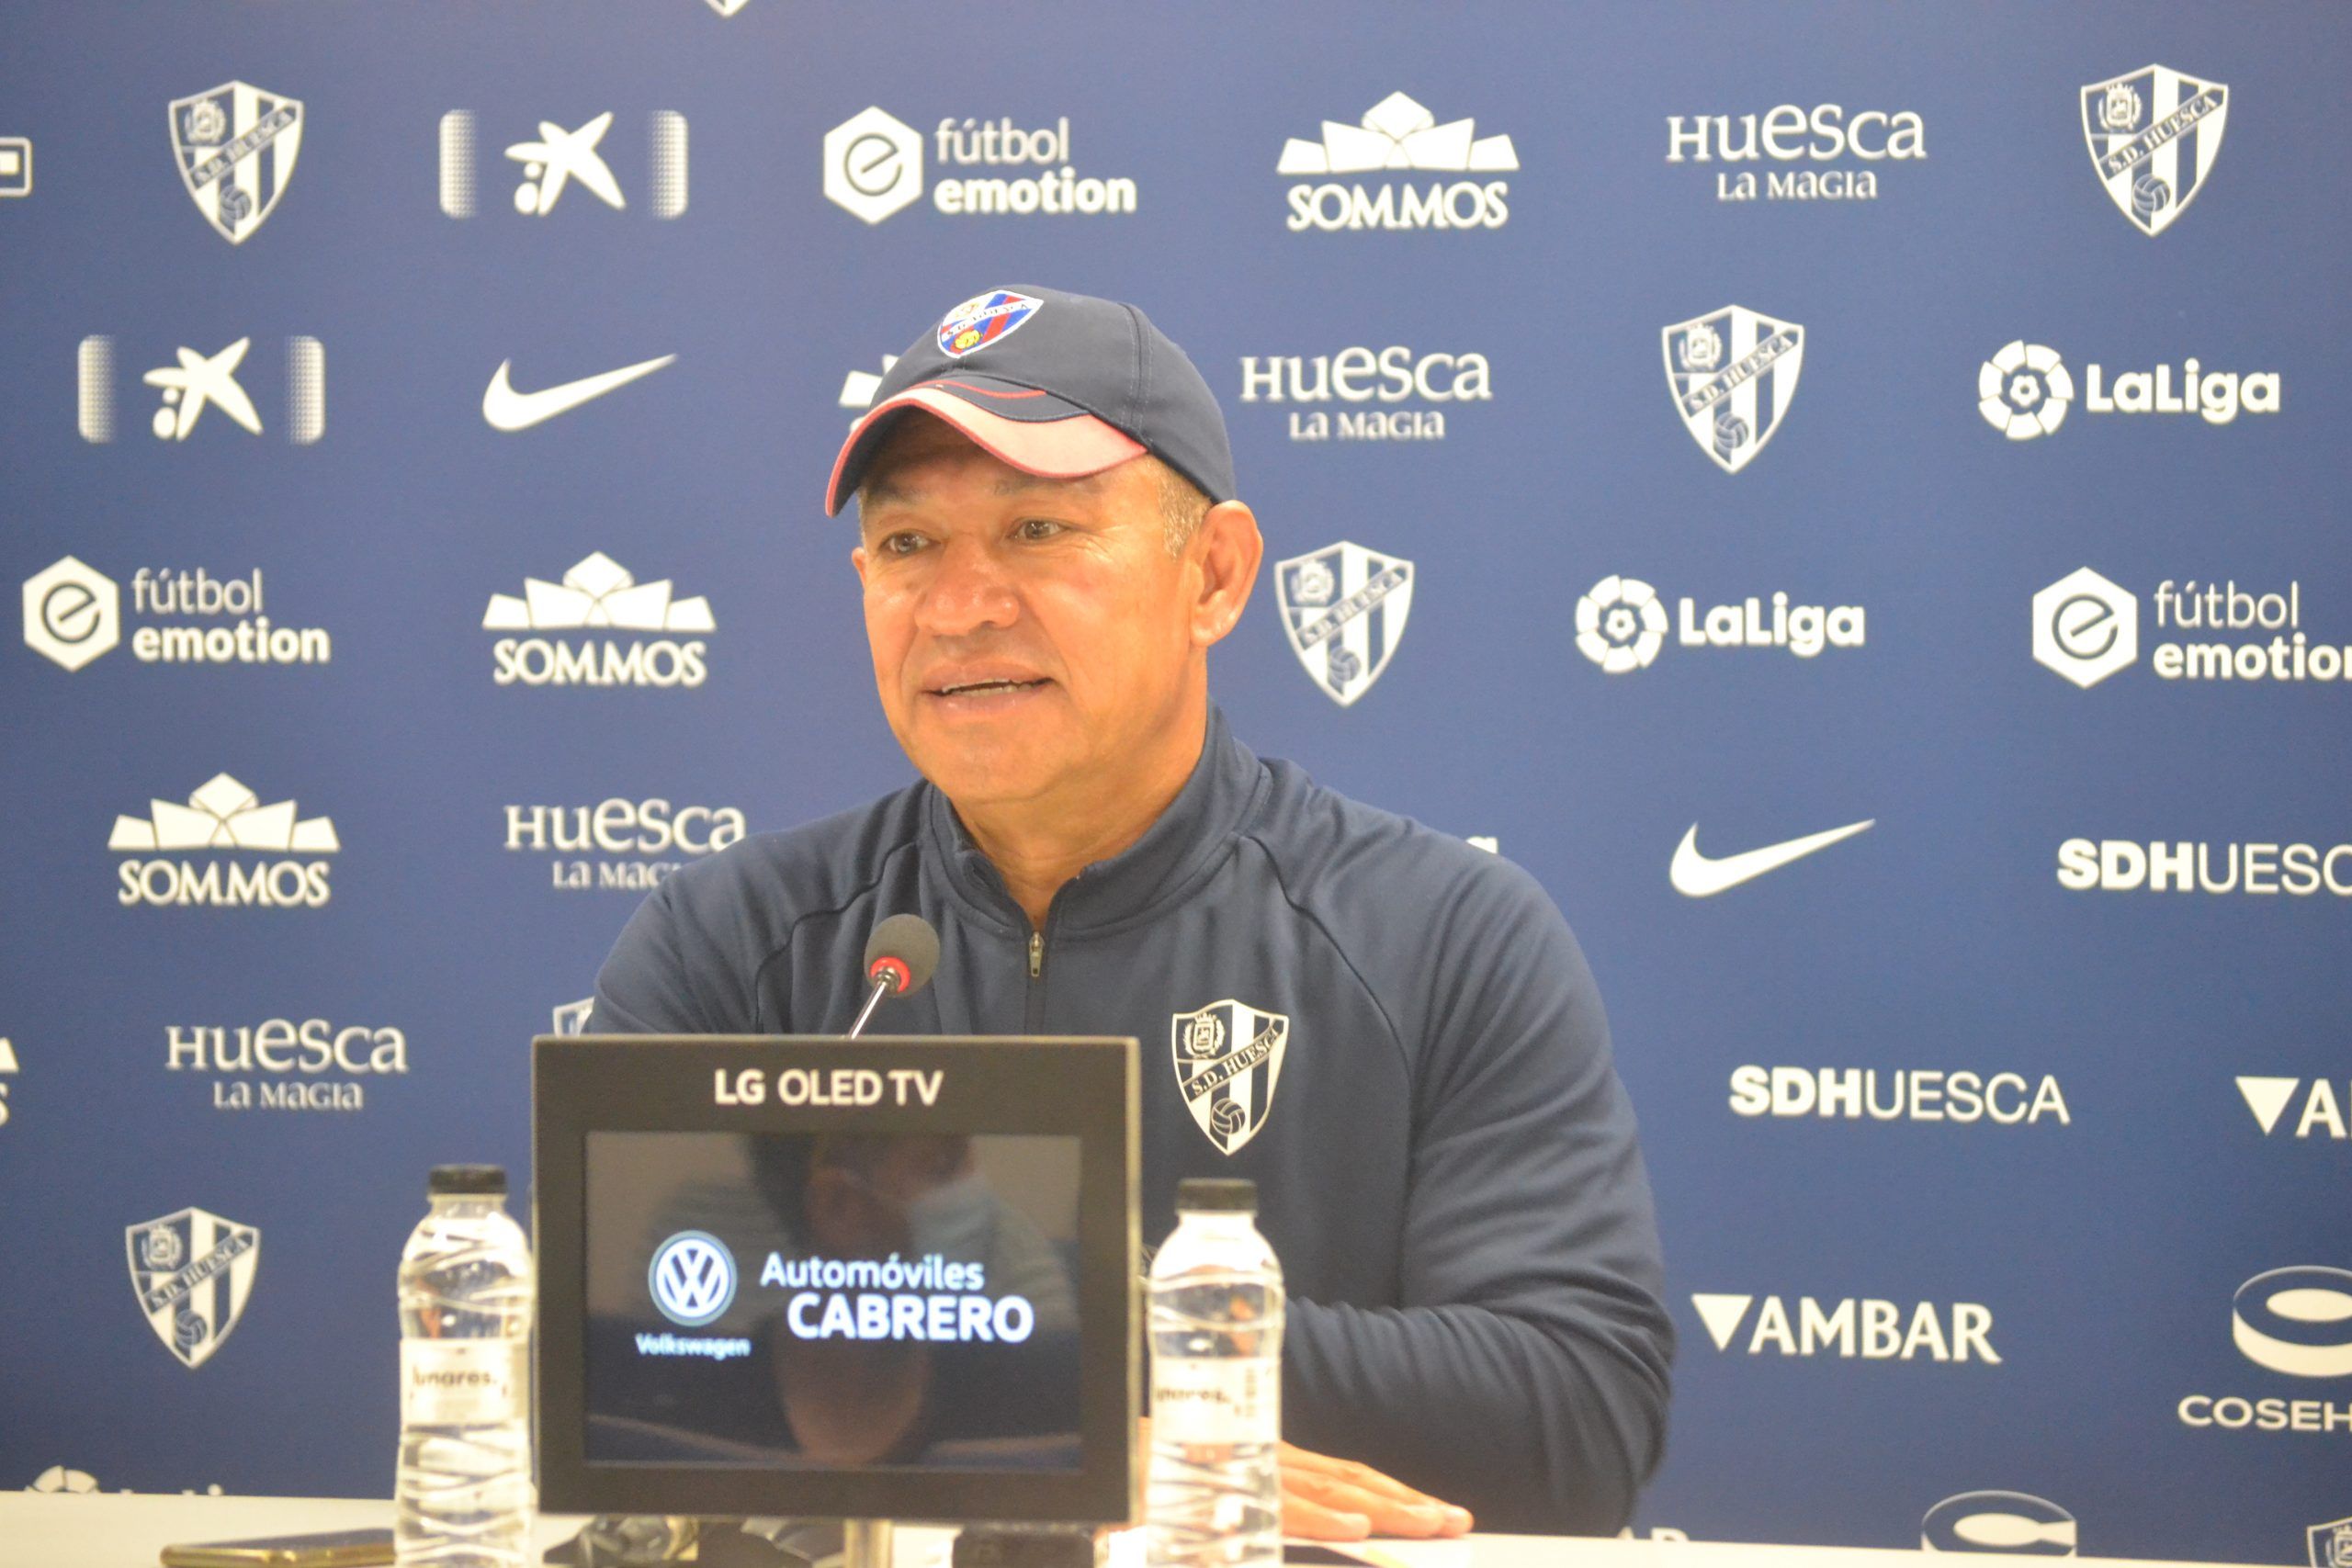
(1594, 308)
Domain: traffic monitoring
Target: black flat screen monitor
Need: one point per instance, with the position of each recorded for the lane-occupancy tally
(889, 1278)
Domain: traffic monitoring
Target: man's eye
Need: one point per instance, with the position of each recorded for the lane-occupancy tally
(1037, 529)
(902, 544)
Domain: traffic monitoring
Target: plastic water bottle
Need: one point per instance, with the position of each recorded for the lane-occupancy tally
(462, 1497)
(1214, 1492)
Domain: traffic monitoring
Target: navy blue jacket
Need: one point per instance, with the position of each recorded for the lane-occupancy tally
(1446, 1163)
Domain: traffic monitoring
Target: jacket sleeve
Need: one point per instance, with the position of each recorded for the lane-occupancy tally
(1524, 1373)
(670, 974)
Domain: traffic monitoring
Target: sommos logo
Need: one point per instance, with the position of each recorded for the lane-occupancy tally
(599, 593)
(224, 818)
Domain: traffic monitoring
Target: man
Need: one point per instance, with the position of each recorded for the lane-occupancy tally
(1393, 1033)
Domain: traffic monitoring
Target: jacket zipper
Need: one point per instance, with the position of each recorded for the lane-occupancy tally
(1033, 1015)
(1036, 953)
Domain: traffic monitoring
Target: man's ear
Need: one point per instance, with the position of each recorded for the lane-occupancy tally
(1227, 548)
(858, 561)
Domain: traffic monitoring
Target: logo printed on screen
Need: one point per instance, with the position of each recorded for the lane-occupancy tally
(2087, 628)
(72, 615)
(2005, 1099)
(1359, 375)
(279, 1064)
(558, 159)
(8, 1071)
(193, 1273)
(2323, 1114)
(859, 387)
(1788, 134)
(1228, 1059)
(2330, 1544)
(618, 826)
(195, 382)
(1732, 374)
(692, 1278)
(572, 1018)
(598, 592)
(1343, 609)
(2187, 865)
(2295, 1323)
(224, 818)
(15, 166)
(873, 168)
(2152, 136)
(1398, 137)
(2014, 1522)
(1849, 1328)
(1697, 876)
(2025, 390)
(235, 146)
(1621, 625)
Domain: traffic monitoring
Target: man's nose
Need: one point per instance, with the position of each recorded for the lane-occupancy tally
(969, 589)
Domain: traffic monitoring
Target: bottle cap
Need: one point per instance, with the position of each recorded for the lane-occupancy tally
(489, 1180)
(1207, 1194)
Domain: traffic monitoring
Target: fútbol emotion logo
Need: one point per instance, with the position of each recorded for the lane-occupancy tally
(692, 1278)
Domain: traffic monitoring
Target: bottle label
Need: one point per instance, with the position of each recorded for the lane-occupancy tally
(1215, 1400)
(463, 1383)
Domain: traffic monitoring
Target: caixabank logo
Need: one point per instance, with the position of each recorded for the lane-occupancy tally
(874, 168)
(2319, 1109)
(73, 615)
(282, 1064)
(618, 843)
(1411, 156)
(1807, 155)
(560, 159)
(665, 649)
(223, 849)
(195, 382)
(2024, 390)
(1849, 1328)
(2295, 1325)
(1363, 394)
(2087, 627)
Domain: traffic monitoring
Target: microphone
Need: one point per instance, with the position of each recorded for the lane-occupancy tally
(899, 958)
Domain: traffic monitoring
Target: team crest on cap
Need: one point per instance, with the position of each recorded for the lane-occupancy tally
(2154, 136)
(1731, 374)
(235, 146)
(193, 1273)
(1229, 1057)
(986, 319)
(1343, 609)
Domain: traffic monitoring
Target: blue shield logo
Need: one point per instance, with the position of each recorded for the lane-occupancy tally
(235, 146)
(1343, 609)
(193, 1273)
(1732, 374)
(2154, 136)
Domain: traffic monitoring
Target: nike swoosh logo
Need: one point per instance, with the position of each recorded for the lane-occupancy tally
(507, 409)
(1696, 876)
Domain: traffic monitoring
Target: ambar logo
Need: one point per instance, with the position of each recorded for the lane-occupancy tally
(1866, 1329)
(2322, 1114)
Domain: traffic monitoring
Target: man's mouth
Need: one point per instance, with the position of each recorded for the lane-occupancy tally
(986, 688)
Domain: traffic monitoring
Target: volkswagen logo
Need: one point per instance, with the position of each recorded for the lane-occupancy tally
(692, 1278)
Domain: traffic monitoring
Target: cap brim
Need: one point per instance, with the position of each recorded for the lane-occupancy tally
(1033, 431)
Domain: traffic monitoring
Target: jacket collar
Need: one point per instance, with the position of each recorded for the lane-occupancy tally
(1190, 838)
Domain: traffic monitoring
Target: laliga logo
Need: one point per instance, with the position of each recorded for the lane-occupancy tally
(2013, 1522)
(2296, 1321)
(1621, 625)
(692, 1278)
(2024, 390)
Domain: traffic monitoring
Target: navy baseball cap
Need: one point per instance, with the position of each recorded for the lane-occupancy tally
(1056, 384)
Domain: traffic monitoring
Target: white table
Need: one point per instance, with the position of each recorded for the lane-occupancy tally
(128, 1530)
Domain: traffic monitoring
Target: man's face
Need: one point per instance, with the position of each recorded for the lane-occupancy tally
(1029, 636)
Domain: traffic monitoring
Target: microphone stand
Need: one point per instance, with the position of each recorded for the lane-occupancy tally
(884, 985)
